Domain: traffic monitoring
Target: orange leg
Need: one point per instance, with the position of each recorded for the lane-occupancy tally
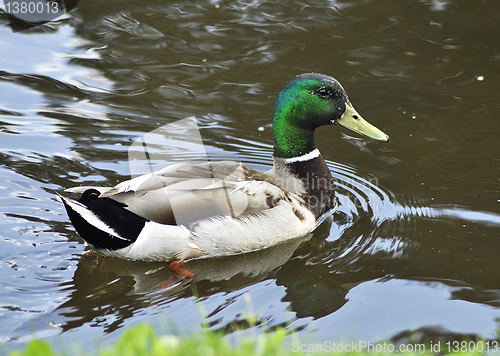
(175, 266)
(99, 260)
(103, 261)
(179, 278)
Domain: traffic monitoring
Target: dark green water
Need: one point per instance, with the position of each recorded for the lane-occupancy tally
(415, 242)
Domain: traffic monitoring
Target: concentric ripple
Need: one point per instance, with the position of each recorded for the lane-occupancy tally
(371, 222)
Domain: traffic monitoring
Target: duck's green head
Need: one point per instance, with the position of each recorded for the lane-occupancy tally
(307, 102)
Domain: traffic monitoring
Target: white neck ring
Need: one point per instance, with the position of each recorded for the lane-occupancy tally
(308, 156)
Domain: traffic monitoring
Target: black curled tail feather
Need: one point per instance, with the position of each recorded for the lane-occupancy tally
(103, 222)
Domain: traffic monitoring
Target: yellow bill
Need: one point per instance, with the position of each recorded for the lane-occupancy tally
(353, 121)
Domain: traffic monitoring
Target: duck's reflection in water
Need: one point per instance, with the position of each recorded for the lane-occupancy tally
(114, 287)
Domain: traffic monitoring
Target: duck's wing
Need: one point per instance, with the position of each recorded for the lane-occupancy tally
(183, 193)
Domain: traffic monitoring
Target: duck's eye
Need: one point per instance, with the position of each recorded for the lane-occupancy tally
(323, 92)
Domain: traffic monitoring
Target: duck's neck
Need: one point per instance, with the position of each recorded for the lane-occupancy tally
(310, 169)
(291, 140)
(298, 161)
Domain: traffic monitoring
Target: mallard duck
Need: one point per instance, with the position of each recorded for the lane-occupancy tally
(200, 210)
